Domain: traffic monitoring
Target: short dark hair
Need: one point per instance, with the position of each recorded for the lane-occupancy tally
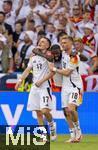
(41, 32)
(2, 13)
(9, 2)
(55, 47)
(62, 33)
(67, 37)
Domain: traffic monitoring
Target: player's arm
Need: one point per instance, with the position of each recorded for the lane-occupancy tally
(74, 62)
(47, 77)
(64, 72)
(23, 76)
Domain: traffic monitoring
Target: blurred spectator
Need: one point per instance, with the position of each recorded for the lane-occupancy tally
(6, 60)
(60, 36)
(24, 51)
(77, 15)
(90, 5)
(10, 15)
(30, 26)
(86, 19)
(84, 68)
(40, 34)
(86, 51)
(16, 35)
(88, 38)
(37, 11)
(64, 23)
(7, 29)
(53, 19)
(50, 33)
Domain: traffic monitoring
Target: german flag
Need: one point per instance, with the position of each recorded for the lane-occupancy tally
(74, 60)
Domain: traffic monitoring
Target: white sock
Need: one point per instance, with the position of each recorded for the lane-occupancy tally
(77, 126)
(72, 132)
(52, 127)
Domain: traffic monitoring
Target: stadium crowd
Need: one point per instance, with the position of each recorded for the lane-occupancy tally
(24, 22)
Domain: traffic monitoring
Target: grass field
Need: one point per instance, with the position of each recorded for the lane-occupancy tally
(89, 142)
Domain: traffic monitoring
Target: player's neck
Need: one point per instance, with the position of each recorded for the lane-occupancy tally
(43, 51)
(68, 51)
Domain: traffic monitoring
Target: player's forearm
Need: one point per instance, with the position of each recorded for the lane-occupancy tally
(64, 72)
(25, 73)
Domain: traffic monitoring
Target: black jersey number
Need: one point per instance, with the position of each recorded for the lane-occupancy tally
(45, 99)
(39, 66)
(75, 96)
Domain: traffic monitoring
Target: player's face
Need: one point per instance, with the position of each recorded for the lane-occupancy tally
(56, 54)
(78, 45)
(66, 44)
(43, 44)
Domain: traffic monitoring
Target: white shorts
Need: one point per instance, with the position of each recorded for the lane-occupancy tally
(39, 98)
(71, 96)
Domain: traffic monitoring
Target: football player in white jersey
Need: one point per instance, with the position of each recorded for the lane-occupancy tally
(71, 87)
(40, 97)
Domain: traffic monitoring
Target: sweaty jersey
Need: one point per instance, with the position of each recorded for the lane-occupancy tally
(73, 80)
(40, 69)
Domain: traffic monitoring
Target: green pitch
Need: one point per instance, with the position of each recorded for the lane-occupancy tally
(89, 142)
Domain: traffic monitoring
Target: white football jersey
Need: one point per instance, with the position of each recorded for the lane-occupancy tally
(40, 69)
(74, 80)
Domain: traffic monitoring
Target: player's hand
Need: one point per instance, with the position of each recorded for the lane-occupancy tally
(51, 66)
(18, 84)
(38, 84)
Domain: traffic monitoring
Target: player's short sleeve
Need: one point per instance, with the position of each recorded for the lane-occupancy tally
(30, 64)
(74, 62)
